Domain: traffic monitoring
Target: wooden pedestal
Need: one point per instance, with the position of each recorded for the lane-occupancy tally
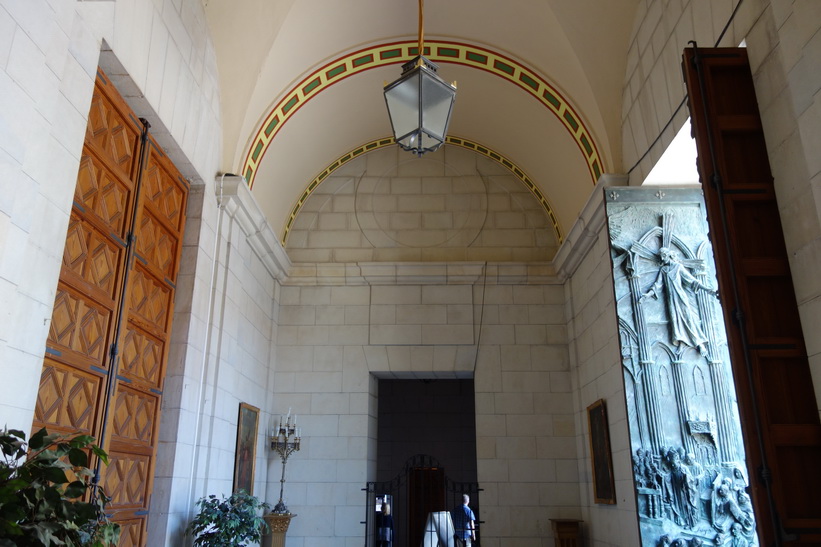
(566, 532)
(278, 524)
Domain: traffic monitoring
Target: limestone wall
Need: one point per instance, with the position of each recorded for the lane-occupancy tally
(221, 355)
(48, 61)
(505, 324)
(456, 205)
(160, 58)
(596, 370)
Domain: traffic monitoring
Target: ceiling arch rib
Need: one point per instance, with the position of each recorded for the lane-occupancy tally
(450, 140)
(440, 52)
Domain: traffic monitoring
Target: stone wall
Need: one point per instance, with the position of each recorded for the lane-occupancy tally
(456, 205)
(227, 304)
(48, 62)
(332, 345)
(161, 60)
(596, 371)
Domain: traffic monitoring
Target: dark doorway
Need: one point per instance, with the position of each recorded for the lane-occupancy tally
(433, 417)
(426, 494)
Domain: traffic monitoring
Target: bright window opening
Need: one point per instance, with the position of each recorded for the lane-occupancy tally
(678, 163)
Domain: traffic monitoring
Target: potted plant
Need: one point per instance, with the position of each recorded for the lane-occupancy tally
(228, 522)
(48, 495)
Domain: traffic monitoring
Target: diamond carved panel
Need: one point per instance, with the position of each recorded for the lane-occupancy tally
(142, 357)
(112, 134)
(112, 204)
(75, 252)
(87, 186)
(126, 480)
(157, 245)
(150, 300)
(92, 333)
(170, 204)
(130, 532)
(91, 256)
(79, 326)
(133, 418)
(152, 179)
(100, 192)
(163, 193)
(67, 398)
(63, 321)
(103, 264)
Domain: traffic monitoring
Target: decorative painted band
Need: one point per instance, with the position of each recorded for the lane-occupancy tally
(440, 52)
(450, 140)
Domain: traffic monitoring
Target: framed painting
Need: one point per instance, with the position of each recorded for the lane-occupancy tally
(604, 489)
(246, 452)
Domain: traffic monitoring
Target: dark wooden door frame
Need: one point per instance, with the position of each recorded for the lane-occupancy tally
(769, 359)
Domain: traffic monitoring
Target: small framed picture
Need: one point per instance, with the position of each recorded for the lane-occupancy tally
(604, 488)
(246, 454)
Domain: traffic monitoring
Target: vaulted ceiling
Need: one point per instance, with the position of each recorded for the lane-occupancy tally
(539, 86)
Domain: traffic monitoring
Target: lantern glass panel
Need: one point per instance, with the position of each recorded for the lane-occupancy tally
(437, 97)
(403, 105)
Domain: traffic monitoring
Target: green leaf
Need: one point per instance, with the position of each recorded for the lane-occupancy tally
(84, 472)
(100, 453)
(55, 475)
(62, 449)
(38, 505)
(81, 441)
(36, 442)
(45, 532)
(77, 457)
(228, 521)
(16, 433)
(75, 489)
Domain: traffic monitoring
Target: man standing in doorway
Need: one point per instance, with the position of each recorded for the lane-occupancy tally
(464, 521)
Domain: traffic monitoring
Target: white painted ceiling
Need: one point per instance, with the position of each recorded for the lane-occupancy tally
(265, 48)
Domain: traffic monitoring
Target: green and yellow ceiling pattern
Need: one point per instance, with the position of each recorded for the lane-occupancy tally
(440, 52)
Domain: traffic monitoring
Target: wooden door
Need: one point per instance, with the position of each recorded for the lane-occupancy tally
(778, 408)
(108, 341)
(426, 494)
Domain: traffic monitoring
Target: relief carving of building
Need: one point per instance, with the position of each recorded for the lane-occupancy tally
(688, 457)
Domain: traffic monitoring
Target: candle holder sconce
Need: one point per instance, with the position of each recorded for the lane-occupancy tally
(285, 440)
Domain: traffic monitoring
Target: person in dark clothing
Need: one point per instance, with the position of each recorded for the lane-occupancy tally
(384, 527)
(464, 522)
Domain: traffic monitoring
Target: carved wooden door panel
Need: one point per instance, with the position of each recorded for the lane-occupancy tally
(770, 364)
(108, 341)
(76, 367)
(146, 328)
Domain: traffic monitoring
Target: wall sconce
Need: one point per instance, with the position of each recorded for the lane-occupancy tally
(285, 440)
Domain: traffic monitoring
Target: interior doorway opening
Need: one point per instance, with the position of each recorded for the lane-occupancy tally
(426, 452)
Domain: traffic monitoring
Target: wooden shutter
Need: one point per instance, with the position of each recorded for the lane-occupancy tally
(775, 390)
(108, 342)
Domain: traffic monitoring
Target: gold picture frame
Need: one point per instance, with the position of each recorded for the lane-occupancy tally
(246, 451)
(604, 488)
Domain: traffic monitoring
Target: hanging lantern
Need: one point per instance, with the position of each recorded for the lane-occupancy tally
(420, 103)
